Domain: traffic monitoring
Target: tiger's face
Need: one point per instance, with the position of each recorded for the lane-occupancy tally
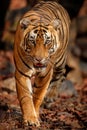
(40, 42)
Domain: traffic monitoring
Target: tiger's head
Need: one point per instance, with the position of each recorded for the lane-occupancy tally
(40, 41)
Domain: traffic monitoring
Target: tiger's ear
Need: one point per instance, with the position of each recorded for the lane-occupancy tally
(24, 23)
(56, 23)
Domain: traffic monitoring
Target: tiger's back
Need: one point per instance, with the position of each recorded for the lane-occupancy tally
(40, 51)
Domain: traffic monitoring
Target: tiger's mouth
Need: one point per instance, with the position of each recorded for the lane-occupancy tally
(39, 66)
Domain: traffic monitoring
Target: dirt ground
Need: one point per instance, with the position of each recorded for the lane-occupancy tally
(66, 113)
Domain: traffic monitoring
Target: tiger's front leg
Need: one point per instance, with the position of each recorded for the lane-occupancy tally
(24, 92)
(40, 89)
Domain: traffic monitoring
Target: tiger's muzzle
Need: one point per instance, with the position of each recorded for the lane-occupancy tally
(40, 63)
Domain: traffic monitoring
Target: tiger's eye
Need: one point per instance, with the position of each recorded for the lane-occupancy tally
(48, 40)
(32, 41)
(35, 31)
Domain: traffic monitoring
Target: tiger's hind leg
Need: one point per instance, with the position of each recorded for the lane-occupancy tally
(59, 86)
(57, 79)
(26, 100)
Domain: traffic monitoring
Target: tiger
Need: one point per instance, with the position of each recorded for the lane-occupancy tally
(40, 53)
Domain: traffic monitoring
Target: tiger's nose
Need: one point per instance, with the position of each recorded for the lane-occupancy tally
(38, 59)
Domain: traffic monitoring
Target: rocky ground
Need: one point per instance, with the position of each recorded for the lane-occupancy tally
(66, 113)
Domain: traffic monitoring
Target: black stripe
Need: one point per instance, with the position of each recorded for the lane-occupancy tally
(40, 26)
(41, 77)
(23, 98)
(59, 60)
(23, 60)
(30, 15)
(46, 74)
(21, 71)
(21, 85)
(61, 78)
(27, 90)
(35, 86)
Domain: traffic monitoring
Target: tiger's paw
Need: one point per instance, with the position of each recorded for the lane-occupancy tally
(31, 121)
